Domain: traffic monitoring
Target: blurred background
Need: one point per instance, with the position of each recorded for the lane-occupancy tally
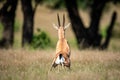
(28, 39)
(28, 23)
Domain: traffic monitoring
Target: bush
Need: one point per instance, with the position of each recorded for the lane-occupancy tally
(41, 40)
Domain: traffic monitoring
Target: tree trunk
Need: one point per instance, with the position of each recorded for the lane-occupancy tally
(28, 22)
(77, 24)
(7, 17)
(87, 37)
(95, 16)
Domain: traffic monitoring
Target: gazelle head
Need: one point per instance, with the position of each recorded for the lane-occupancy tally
(61, 28)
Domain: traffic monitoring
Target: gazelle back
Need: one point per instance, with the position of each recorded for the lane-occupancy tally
(62, 56)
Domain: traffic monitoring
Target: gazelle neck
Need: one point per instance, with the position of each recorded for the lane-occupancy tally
(61, 33)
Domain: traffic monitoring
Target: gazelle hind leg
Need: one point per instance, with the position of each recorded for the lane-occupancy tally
(53, 65)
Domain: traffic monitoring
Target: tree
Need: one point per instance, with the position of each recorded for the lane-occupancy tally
(28, 22)
(89, 37)
(7, 17)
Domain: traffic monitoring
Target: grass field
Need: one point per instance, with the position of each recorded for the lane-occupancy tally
(23, 64)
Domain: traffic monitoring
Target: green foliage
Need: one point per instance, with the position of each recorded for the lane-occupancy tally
(116, 31)
(103, 32)
(55, 4)
(58, 4)
(84, 4)
(16, 26)
(41, 40)
(1, 27)
(1, 30)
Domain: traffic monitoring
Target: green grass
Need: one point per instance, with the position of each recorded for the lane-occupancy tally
(34, 65)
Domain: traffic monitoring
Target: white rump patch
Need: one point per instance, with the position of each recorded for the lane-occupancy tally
(59, 61)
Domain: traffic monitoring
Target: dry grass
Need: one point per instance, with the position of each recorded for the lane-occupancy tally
(34, 65)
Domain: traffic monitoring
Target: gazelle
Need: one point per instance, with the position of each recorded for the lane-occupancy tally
(62, 56)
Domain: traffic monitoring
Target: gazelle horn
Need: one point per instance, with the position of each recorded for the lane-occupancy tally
(58, 19)
(63, 20)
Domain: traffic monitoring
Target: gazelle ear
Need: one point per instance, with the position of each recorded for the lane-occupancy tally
(56, 27)
(67, 26)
